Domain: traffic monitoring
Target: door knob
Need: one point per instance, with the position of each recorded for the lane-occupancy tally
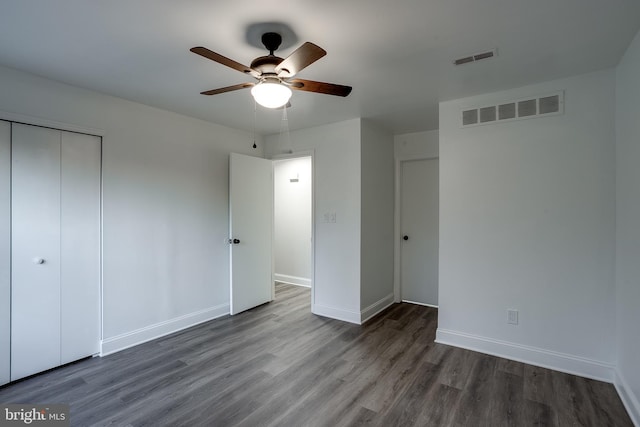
(39, 260)
(405, 237)
(234, 241)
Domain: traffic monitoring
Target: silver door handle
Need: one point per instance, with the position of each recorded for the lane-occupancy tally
(39, 260)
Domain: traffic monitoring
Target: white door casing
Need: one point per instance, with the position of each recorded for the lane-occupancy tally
(419, 221)
(251, 227)
(5, 252)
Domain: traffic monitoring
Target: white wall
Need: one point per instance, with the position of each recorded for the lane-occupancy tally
(336, 169)
(416, 145)
(527, 222)
(376, 246)
(292, 221)
(165, 205)
(628, 227)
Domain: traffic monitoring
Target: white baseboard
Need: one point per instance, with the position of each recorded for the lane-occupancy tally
(629, 399)
(376, 308)
(419, 303)
(148, 333)
(336, 313)
(562, 362)
(292, 280)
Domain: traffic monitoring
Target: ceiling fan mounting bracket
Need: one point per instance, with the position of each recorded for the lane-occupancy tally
(254, 32)
(271, 41)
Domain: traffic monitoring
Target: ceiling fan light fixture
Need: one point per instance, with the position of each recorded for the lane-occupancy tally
(271, 94)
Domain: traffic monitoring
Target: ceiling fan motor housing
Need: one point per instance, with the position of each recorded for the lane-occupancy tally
(266, 64)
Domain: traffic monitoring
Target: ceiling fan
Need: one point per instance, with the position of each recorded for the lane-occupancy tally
(274, 74)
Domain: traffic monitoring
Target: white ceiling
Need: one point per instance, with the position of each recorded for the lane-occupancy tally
(397, 55)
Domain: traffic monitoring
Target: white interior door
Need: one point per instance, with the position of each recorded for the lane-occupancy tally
(55, 244)
(35, 243)
(250, 231)
(80, 246)
(419, 225)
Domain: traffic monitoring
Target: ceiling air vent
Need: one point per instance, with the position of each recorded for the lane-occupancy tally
(476, 57)
(547, 105)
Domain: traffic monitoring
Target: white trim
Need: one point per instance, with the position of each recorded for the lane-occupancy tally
(557, 361)
(629, 399)
(151, 332)
(410, 157)
(397, 230)
(419, 303)
(38, 121)
(292, 280)
(375, 308)
(295, 155)
(337, 313)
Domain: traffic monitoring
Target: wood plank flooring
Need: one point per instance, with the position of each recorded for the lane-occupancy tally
(280, 365)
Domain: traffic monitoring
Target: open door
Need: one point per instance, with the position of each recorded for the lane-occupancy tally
(250, 231)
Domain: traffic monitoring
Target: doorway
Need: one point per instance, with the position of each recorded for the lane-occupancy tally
(419, 227)
(293, 221)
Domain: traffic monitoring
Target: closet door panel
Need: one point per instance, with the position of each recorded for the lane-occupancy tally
(80, 246)
(35, 263)
(5, 252)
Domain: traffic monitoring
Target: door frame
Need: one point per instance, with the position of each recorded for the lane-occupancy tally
(397, 223)
(296, 155)
(26, 119)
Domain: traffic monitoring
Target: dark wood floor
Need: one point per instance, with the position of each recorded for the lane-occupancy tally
(280, 365)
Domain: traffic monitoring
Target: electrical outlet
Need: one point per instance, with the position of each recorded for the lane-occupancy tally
(512, 316)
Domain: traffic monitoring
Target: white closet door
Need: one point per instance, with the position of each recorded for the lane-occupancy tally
(5, 252)
(80, 246)
(419, 222)
(35, 262)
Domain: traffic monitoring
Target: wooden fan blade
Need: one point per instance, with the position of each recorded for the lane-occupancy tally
(301, 58)
(227, 89)
(320, 87)
(209, 54)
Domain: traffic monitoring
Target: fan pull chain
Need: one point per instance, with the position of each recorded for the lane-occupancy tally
(254, 123)
(284, 131)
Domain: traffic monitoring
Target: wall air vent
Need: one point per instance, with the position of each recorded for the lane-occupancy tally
(539, 106)
(476, 57)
